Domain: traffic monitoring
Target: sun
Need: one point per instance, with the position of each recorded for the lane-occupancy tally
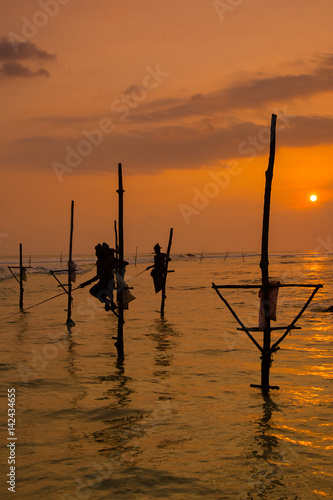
(313, 197)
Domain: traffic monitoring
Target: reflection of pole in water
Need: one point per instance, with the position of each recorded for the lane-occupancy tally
(163, 345)
(266, 440)
(119, 390)
(268, 457)
(71, 356)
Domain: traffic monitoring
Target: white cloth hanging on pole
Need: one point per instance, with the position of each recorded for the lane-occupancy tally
(273, 296)
(123, 289)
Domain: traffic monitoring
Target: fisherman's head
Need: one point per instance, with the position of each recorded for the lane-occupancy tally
(157, 248)
(99, 251)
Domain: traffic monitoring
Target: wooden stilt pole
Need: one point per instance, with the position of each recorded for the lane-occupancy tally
(120, 339)
(136, 256)
(116, 238)
(267, 350)
(266, 355)
(166, 272)
(69, 321)
(21, 277)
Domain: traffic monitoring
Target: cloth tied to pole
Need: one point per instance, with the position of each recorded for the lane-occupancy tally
(123, 289)
(72, 271)
(273, 296)
(24, 274)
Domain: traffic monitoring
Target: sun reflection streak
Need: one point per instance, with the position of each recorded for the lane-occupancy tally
(302, 442)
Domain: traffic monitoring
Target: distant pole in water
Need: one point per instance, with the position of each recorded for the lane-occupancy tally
(266, 354)
(120, 339)
(201, 256)
(243, 256)
(21, 277)
(136, 256)
(226, 255)
(166, 273)
(69, 321)
(29, 260)
(60, 257)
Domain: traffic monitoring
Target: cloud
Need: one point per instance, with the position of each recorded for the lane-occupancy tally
(178, 147)
(14, 50)
(16, 70)
(251, 94)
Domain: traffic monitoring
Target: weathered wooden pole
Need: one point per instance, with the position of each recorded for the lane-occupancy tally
(136, 256)
(21, 277)
(166, 272)
(69, 321)
(264, 263)
(121, 270)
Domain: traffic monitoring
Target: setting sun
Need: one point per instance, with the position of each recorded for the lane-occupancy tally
(313, 197)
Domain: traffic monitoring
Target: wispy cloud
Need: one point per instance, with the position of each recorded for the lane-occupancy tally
(156, 149)
(253, 92)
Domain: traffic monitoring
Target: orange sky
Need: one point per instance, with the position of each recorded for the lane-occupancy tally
(182, 94)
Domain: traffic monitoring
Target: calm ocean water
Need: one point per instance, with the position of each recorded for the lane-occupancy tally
(178, 419)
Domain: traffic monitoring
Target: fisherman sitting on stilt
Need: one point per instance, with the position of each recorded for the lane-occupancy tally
(106, 266)
(158, 268)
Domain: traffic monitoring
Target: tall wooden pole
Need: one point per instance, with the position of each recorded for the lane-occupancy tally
(21, 277)
(69, 321)
(264, 263)
(116, 238)
(120, 339)
(166, 272)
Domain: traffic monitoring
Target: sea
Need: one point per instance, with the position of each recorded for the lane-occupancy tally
(177, 418)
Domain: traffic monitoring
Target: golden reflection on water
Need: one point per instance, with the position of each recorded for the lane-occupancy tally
(318, 371)
(302, 442)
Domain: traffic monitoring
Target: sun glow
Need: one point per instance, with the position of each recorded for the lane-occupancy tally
(313, 197)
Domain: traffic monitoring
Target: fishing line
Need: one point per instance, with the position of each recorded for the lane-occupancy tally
(137, 275)
(35, 305)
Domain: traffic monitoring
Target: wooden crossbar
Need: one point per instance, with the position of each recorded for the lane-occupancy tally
(281, 285)
(256, 329)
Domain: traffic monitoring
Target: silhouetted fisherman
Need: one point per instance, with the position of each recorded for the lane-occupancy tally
(106, 263)
(158, 268)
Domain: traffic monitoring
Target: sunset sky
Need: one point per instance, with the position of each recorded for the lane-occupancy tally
(181, 93)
